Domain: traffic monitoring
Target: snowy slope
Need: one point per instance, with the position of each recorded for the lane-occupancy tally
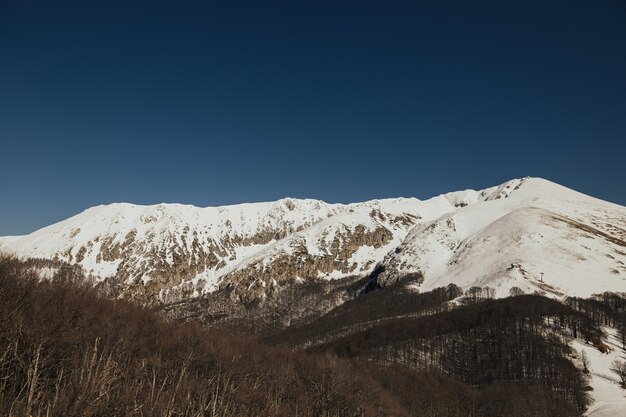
(609, 399)
(519, 231)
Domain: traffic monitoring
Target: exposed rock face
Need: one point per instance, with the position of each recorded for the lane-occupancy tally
(256, 279)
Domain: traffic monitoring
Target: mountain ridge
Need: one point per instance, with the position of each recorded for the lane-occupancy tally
(166, 252)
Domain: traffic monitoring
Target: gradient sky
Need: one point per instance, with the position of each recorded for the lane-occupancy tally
(195, 102)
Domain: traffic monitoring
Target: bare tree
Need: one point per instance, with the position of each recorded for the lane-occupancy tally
(584, 359)
(619, 367)
(489, 292)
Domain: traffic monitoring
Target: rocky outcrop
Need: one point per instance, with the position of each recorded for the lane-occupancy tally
(257, 279)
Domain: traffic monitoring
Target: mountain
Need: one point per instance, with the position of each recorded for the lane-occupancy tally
(527, 233)
(531, 234)
(172, 250)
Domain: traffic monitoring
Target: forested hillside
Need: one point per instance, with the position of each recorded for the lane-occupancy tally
(67, 351)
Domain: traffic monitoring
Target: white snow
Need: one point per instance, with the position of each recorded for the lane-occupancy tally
(609, 399)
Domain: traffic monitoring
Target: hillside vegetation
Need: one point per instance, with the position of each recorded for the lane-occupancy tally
(65, 350)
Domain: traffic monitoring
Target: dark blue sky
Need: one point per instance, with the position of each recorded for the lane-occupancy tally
(194, 102)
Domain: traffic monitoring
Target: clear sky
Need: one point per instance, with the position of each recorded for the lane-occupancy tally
(196, 102)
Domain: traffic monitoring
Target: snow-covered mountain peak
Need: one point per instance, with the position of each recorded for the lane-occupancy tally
(530, 233)
(467, 237)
